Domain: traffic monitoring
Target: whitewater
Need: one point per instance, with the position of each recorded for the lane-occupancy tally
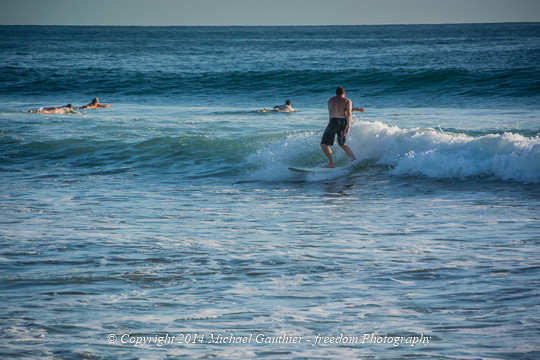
(417, 152)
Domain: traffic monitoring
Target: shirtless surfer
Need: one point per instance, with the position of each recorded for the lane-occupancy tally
(94, 105)
(340, 110)
(67, 109)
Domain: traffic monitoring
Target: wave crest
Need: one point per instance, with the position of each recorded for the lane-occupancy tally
(416, 152)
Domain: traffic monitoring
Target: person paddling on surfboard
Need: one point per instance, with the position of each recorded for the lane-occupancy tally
(94, 105)
(284, 108)
(66, 109)
(340, 110)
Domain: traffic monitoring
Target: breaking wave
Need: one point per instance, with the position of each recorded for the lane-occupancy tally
(416, 152)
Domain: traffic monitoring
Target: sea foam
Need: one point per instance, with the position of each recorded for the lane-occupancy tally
(413, 152)
(439, 154)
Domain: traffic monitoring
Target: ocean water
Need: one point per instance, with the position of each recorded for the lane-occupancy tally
(169, 225)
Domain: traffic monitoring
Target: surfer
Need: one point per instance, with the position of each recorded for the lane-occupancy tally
(94, 105)
(67, 109)
(340, 110)
(284, 108)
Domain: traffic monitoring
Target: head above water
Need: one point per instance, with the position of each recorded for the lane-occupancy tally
(340, 91)
(95, 101)
(288, 102)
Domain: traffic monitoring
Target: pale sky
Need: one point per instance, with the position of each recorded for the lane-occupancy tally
(264, 12)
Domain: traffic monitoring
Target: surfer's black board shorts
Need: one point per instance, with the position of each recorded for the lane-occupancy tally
(336, 126)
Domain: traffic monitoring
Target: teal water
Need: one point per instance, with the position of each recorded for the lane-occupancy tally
(173, 212)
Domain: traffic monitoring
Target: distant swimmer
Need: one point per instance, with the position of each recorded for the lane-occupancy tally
(94, 105)
(284, 108)
(67, 109)
(339, 110)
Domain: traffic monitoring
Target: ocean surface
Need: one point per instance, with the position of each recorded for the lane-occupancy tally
(169, 225)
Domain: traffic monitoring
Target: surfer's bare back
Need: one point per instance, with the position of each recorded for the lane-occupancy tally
(339, 110)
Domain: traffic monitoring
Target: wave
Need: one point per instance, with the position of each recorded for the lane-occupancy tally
(198, 155)
(512, 82)
(160, 152)
(427, 153)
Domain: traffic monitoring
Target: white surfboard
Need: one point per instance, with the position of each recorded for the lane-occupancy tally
(312, 169)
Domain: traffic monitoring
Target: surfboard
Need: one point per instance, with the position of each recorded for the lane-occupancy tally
(311, 169)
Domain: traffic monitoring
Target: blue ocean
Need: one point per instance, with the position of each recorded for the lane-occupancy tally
(169, 225)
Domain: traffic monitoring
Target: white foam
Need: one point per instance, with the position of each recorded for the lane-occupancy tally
(436, 154)
(418, 152)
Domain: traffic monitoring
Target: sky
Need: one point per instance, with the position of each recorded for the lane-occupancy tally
(264, 12)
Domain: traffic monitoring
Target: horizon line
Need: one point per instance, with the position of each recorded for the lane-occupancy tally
(290, 25)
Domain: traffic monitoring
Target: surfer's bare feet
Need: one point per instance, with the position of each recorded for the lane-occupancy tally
(330, 166)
